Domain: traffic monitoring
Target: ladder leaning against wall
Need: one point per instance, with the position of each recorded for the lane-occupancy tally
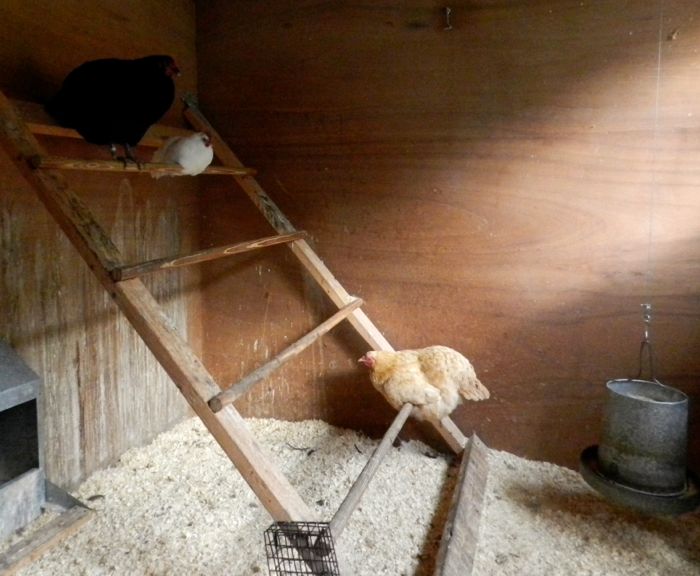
(212, 404)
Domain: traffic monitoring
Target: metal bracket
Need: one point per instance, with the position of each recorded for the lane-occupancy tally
(448, 18)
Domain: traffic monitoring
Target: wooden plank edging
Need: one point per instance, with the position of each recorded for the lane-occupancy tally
(460, 537)
(31, 548)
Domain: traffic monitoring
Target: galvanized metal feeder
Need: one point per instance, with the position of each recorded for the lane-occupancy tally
(641, 459)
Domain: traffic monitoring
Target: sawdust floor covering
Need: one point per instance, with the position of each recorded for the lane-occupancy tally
(178, 507)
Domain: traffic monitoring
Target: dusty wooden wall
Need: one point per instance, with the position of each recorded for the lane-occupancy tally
(493, 187)
(103, 390)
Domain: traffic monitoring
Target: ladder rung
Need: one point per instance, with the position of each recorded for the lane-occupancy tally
(447, 429)
(341, 517)
(39, 122)
(61, 163)
(241, 387)
(134, 270)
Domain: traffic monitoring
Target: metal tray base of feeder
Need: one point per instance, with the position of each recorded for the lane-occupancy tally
(646, 502)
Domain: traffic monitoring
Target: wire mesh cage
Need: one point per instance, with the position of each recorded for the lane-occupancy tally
(300, 548)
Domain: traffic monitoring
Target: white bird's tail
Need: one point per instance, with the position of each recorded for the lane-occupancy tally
(162, 153)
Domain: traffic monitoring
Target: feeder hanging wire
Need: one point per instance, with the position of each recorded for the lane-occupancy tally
(645, 346)
(653, 192)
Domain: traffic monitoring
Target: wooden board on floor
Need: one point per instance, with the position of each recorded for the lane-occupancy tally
(31, 548)
(460, 537)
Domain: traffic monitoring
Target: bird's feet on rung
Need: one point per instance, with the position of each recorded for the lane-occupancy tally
(129, 153)
(128, 156)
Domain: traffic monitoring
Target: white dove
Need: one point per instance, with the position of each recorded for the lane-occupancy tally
(194, 153)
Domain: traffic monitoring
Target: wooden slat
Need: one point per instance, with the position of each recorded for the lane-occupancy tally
(309, 259)
(40, 122)
(237, 390)
(342, 516)
(460, 536)
(61, 163)
(149, 320)
(135, 270)
(32, 548)
(451, 434)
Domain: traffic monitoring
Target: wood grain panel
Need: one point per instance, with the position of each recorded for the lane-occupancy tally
(493, 187)
(103, 390)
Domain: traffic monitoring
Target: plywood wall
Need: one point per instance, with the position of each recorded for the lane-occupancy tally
(514, 187)
(103, 390)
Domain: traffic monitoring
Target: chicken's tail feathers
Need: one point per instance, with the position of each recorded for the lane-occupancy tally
(161, 155)
(472, 389)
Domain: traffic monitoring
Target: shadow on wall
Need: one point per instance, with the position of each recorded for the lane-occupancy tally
(493, 187)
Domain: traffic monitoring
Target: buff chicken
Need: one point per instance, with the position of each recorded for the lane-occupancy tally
(433, 379)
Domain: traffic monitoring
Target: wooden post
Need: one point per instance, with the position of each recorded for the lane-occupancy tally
(342, 516)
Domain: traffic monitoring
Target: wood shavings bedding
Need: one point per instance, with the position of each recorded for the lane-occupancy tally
(542, 519)
(178, 507)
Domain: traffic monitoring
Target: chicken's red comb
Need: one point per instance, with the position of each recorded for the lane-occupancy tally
(172, 69)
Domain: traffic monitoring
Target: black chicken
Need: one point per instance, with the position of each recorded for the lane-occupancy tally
(112, 101)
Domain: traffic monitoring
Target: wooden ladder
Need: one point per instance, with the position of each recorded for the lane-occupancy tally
(212, 405)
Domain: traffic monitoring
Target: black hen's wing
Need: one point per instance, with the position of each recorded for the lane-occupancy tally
(88, 100)
(150, 94)
(114, 101)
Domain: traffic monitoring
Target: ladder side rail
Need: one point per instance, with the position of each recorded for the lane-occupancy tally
(149, 320)
(446, 428)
